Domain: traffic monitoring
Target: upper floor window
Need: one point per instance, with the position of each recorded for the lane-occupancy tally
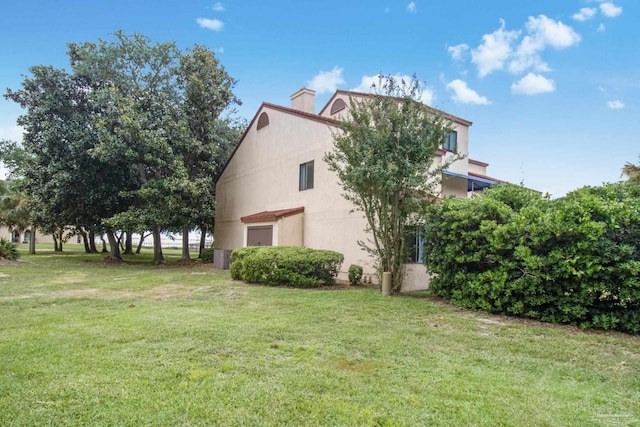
(451, 141)
(338, 105)
(306, 176)
(263, 121)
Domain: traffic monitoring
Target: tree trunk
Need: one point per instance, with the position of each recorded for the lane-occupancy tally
(128, 244)
(55, 242)
(87, 248)
(157, 246)
(203, 238)
(114, 254)
(32, 241)
(119, 238)
(142, 237)
(104, 244)
(185, 244)
(92, 242)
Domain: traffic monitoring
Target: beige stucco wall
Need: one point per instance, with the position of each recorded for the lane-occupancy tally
(454, 186)
(5, 232)
(461, 166)
(416, 277)
(480, 169)
(291, 230)
(263, 175)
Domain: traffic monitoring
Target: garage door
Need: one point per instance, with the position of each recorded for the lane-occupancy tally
(260, 236)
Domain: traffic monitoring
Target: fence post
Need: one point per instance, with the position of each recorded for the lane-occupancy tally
(386, 284)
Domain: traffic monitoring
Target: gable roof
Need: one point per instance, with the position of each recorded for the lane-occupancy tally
(299, 113)
(356, 94)
(320, 118)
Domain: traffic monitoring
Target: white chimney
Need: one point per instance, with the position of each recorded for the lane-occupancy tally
(304, 100)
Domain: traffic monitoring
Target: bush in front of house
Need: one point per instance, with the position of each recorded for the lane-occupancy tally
(8, 250)
(206, 255)
(572, 260)
(355, 274)
(236, 261)
(286, 266)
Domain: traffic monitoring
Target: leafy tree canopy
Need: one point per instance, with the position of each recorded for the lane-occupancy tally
(128, 140)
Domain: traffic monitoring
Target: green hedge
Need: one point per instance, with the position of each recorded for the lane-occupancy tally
(285, 265)
(572, 260)
(206, 255)
(236, 260)
(355, 274)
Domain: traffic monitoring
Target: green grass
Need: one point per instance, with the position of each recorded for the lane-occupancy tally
(88, 343)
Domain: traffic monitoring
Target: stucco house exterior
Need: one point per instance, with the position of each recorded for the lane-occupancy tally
(17, 235)
(276, 188)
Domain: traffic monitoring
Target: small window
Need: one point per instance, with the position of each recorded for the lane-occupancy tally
(306, 176)
(263, 121)
(451, 141)
(338, 105)
(414, 241)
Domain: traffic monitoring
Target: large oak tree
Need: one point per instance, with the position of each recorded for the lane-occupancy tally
(131, 139)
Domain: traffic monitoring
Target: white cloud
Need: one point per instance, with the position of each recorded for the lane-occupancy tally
(547, 32)
(532, 84)
(464, 95)
(428, 95)
(218, 7)
(585, 14)
(411, 8)
(601, 28)
(210, 24)
(542, 32)
(494, 50)
(367, 84)
(458, 51)
(610, 10)
(615, 105)
(327, 81)
(219, 50)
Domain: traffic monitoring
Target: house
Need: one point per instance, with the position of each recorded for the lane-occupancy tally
(17, 235)
(276, 188)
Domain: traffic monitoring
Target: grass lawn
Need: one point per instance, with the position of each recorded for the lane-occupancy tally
(88, 343)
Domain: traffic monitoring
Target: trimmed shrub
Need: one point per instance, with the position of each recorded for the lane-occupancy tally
(572, 260)
(236, 260)
(8, 250)
(206, 255)
(285, 266)
(355, 274)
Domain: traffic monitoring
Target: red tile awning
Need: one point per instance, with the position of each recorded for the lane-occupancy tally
(266, 216)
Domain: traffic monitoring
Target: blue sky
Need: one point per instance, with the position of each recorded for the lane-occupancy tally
(553, 87)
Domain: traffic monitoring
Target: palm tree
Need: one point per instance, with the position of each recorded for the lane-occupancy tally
(632, 172)
(15, 211)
